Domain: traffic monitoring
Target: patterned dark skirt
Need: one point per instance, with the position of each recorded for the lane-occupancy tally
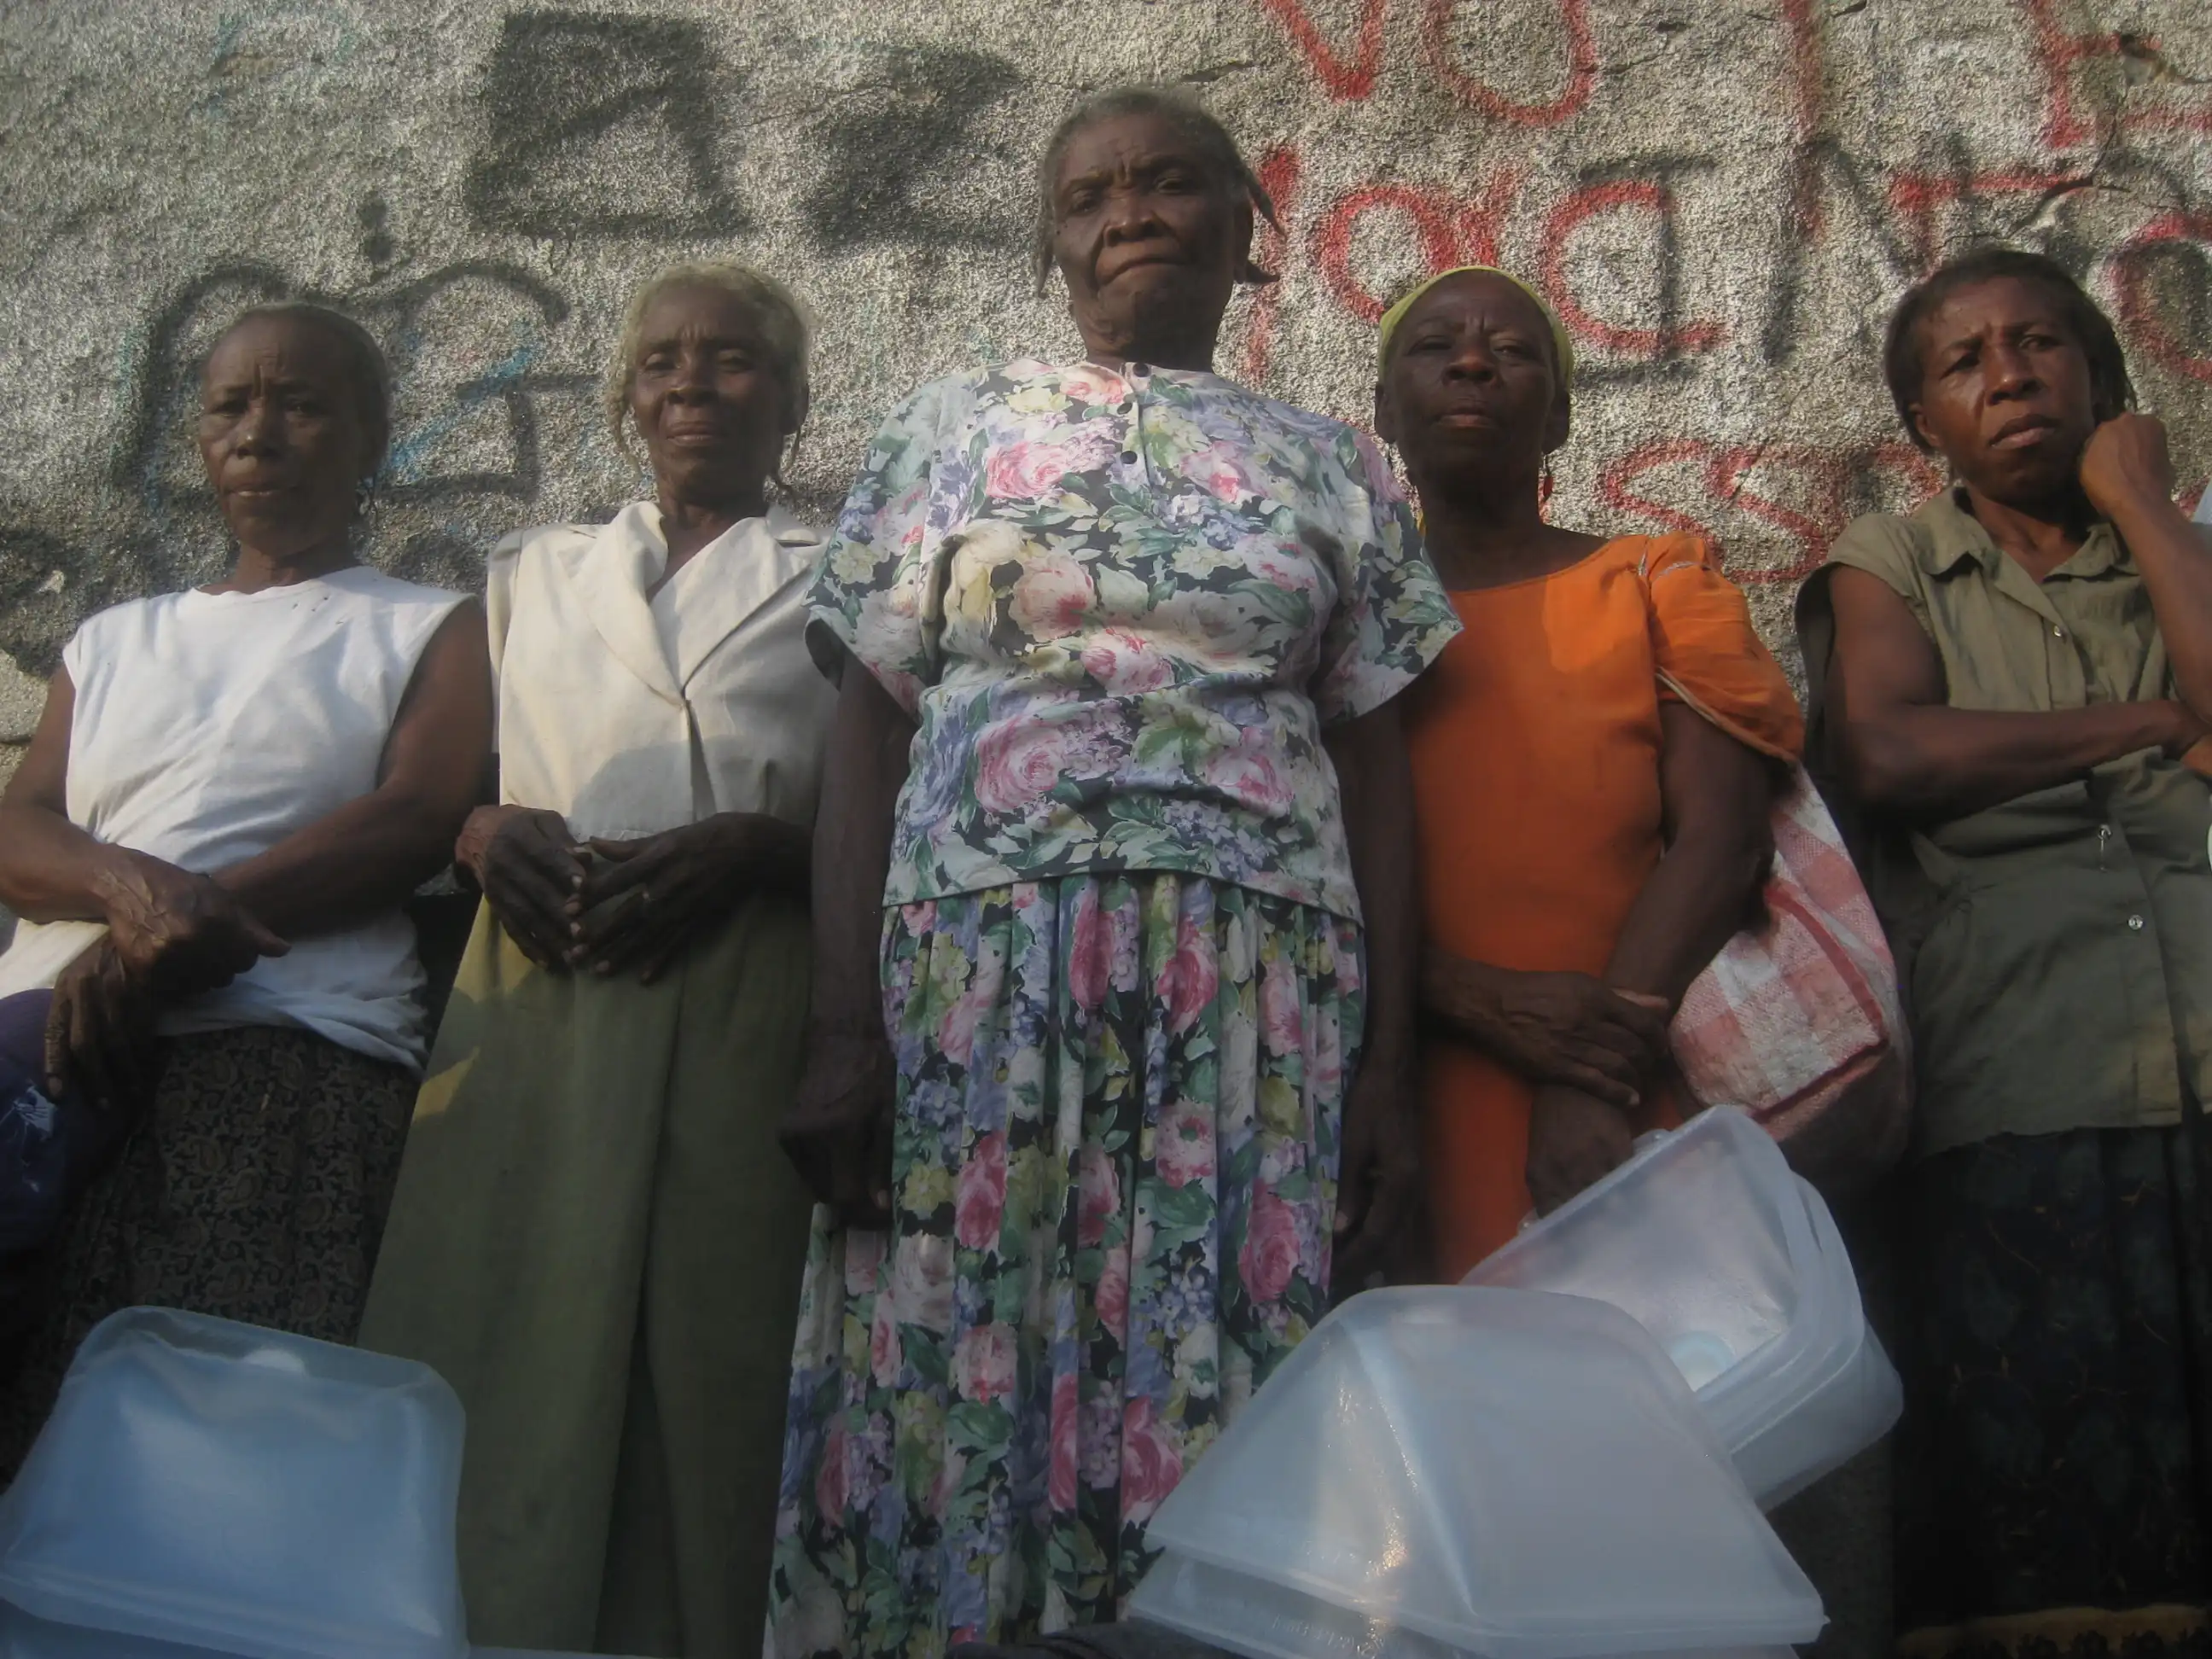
(254, 1187)
(2054, 1468)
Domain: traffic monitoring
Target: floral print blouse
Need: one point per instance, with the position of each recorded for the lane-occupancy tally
(1121, 607)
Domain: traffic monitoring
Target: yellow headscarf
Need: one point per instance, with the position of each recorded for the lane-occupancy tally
(1560, 344)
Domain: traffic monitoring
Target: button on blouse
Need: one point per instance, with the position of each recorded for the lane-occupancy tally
(1121, 607)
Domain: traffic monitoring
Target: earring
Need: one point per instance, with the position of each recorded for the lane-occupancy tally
(364, 498)
(1544, 488)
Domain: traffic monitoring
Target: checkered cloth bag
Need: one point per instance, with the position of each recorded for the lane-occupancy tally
(1798, 1020)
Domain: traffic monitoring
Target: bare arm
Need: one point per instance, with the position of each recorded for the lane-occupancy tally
(50, 869)
(175, 930)
(1718, 797)
(1378, 1207)
(370, 853)
(838, 1131)
(1906, 751)
(2128, 477)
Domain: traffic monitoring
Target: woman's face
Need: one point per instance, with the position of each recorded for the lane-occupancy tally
(1472, 381)
(1150, 242)
(281, 435)
(712, 412)
(2005, 393)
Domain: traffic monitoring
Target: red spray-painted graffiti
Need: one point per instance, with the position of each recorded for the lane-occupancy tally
(2171, 234)
(2160, 277)
(1810, 493)
(1624, 194)
(1350, 76)
(2063, 53)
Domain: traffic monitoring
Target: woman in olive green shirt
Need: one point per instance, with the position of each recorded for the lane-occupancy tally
(2005, 684)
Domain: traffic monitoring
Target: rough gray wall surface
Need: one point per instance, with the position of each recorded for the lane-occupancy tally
(1723, 196)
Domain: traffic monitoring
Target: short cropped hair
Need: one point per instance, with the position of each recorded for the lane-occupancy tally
(1193, 122)
(367, 368)
(777, 315)
(1904, 364)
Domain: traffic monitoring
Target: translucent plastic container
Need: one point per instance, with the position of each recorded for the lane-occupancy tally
(216, 1486)
(1262, 1620)
(1474, 1471)
(1709, 1241)
(1844, 1397)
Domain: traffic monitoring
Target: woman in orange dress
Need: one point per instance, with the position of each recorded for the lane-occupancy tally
(1595, 760)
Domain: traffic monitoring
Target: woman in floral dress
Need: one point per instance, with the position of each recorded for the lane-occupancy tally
(1114, 923)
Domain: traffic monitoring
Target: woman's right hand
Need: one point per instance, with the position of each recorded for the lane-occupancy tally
(1552, 1028)
(177, 933)
(2177, 728)
(529, 866)
(838, 1130)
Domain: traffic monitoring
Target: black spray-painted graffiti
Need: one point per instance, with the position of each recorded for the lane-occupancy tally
(902, 141)
(467, 344)
(600, 124)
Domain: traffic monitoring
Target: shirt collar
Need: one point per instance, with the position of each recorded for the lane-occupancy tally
(1956, 535)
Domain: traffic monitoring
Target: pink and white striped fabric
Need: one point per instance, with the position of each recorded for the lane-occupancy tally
(1793, 1012)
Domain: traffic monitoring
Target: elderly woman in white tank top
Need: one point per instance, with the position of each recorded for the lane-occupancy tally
(231, 793)
(597, 1239)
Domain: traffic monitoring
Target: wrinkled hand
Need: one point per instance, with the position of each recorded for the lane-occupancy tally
(176, 933)
(99, 1030)
(2180, 730)
(838, 1129)
(648, 899)
(1381, 1184)
(1554, 1028)
(2125, 464)
(1573, 1140)
(530, 870)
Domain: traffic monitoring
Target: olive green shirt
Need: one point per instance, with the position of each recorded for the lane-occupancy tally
(2056, 950)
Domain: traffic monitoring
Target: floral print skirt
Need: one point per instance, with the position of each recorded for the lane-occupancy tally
(1114, 1177)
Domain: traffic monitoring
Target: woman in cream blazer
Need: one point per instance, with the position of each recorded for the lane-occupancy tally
(597, 1240)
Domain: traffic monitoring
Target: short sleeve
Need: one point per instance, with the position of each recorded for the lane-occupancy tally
(872, 592)
(1391, 617)
(1709, 656)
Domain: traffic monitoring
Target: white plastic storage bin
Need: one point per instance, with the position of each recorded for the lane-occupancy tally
(1519, 1476)
(213, 1485)
(1735, 1266)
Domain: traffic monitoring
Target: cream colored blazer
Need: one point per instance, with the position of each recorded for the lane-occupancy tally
(598, 723)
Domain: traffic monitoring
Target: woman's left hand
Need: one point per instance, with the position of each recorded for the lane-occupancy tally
(2125, 464)
(1381, 1186)
(99, 1030)
(644, 901)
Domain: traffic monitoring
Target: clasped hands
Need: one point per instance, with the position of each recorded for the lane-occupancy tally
(1590, 1049)
(600, 906)
(172, 933)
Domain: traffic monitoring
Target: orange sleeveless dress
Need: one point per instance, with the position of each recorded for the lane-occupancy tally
(1535, 746)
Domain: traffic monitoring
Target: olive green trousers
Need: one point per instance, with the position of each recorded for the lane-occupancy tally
(598, 1242)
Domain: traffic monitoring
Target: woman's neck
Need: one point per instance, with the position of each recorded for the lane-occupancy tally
(256, 570)
(1484, 534)
(689, 523)
(1188, 346)
(2039, 537)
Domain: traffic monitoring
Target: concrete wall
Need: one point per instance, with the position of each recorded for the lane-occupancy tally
(1723, 197)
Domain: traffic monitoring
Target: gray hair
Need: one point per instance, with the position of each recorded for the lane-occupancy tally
(777, 315)
(367, 368)
(1192, 121)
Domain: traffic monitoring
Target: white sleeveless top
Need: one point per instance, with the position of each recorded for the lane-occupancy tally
(209, 726)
